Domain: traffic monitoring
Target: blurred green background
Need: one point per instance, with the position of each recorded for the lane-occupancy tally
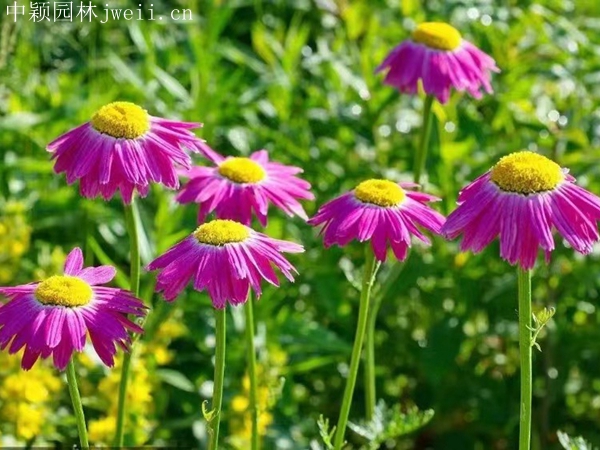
(296, 77)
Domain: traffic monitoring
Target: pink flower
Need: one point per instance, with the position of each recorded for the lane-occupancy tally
(124, 148)
(53, 317)
(236, 187)
(439, 57)
(380, 211)
(521, 200)
(226, 259)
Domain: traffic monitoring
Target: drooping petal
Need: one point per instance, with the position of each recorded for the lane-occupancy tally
(346, 218)
(524, 223)
(56, 323)
(229, 198)
(225, 271)
(105, 161)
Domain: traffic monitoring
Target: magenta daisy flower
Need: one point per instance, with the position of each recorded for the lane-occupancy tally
(439, 57)
(53, 317)
(124, 148)
(381, 211)
(235, 187)
(521, 200)
(226, 259)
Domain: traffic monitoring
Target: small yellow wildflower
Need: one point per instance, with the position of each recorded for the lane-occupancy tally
(102, 431)
(139, 399)
(14, 238)
(23, 387)
(29, 420)
(17, 249)
(460, 259)
(27, 399)
(268, 384)
(162, 355)
(171, 329)
(239, 403)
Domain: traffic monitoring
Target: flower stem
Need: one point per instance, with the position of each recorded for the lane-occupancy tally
(525, 348)
(370, 390)
(421, 158)
(132, 222)
(132, 218)
(77, 406)
(386, 285)
(249, 310)
(363, 311)
(218, 378)
(88, 222)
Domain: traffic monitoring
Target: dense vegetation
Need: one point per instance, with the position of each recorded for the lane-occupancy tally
(297, 78)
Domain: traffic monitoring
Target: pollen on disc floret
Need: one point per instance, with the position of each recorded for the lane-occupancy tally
(526, 173)
(121, 120)
(220, 232)
(438, 35)
(382, 193)
(64, 290)
(242, 170)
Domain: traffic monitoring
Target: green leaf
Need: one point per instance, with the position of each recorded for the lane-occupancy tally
(176, 379)
(325, 432)
(390, 423)
(173, 86)
(577, 443)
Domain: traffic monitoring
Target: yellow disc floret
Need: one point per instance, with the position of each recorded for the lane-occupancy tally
(242, 170)
(121, 120)
(64, 290)
(526, 173)
(438, 35)
(383, 193)
(221, 232)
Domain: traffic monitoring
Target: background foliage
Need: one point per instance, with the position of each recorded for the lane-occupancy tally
(296, 77)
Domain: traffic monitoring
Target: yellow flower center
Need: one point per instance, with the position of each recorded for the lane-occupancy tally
(121, 120)
(438, 35)
(379, 192)
(221, 232)
(64, 290)
(526, 173)
(242, 170)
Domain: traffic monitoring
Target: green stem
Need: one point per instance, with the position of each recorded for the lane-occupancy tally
(363, 311)
(421, 158)
(370, 389)
(249, 310)
(525, 348)
(132, 222)
(89, 233)
(77, 406)
(218, 378)
(384, 287)
(132, 218)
